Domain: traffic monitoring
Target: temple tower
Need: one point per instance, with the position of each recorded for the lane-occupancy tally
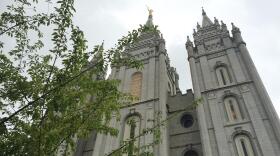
(151, 85)
(236, 116)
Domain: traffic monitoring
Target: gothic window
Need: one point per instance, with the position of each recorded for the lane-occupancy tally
(136, 84)
(223, 75)
(243, 145)
(187, 120)
(232, 109)
(191, 153)
(131, 130)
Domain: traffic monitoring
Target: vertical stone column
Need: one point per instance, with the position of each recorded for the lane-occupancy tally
(265, 99)
(151, 78)
(117, 140)
(113, 73)
(99, 145)
(206, 74)
(200, 111)
(163, 147)
(232, 57)
(122, 78)
(149, 124)
(223, 147)
(237, 70)
(109, 138)
(257, 122)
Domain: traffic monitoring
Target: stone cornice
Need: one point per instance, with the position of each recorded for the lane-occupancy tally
(141, 102)
(188, 132)
(196, 56)
(202, 37)
(228, 86)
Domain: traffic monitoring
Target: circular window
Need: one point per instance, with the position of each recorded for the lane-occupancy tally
(187, 120)
(191, 153)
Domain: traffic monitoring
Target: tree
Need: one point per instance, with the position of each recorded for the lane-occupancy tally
(49, 96)
(44, 93)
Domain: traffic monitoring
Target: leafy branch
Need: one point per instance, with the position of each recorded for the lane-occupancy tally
(44, 92)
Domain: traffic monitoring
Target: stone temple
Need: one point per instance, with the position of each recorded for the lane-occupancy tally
(234, 118)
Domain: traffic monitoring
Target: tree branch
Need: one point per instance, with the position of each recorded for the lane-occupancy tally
(69, 135)
(47, 93)
(4, 31)
(46, 112)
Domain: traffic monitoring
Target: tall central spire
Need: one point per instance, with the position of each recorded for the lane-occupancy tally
(205, 19)
(149, 22)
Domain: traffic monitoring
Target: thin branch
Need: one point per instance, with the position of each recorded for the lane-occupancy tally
(69, 135)
(55, 88)
(4, 31)
(47, 93)
(46, 112)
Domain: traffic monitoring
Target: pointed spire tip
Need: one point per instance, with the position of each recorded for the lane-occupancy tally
(205, 19)
(149, 22)
(203, 11)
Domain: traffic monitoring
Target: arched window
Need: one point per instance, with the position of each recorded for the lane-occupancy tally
(223, 75)
(131, 130)
(232, 109)
(191, 153)
(136, 84)
(243, 145)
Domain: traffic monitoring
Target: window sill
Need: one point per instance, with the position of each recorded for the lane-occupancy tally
(234, 123)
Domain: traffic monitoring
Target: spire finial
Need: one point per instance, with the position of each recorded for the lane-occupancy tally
(224, 26)
(216, 20)
(149, 22)
(197, 25)
(150, 10)
(205, 19)
(188, 38)
(234, 28)
(189, 42)
(194, 32)
(203, 12)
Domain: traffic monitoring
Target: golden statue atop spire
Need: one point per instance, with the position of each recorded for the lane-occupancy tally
(150, 11)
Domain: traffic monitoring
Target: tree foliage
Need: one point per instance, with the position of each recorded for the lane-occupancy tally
(50, 96)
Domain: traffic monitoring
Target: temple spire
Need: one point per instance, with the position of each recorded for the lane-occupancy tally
(205, 19)
(149, 22)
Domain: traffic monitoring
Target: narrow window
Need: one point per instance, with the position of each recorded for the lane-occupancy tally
(132, 135)
(223, 75)
(232, 109)
(131, 130)
(233, 113)
(243, 145)
(136, 85)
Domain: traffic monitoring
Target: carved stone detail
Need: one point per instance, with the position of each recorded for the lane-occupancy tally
(211, 95)
(244, 88)
(211, 56)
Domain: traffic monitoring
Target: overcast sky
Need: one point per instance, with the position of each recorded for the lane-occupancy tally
(259, 21)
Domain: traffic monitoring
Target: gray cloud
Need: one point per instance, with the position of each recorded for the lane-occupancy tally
(258, 20)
